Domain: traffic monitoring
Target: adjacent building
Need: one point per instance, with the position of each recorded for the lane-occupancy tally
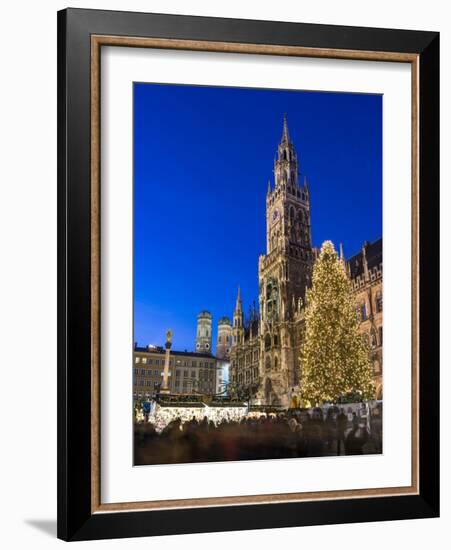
(365, 271)
(189, 372)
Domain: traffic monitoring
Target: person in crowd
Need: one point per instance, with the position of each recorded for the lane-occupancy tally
(356, 439)
(331, 430)
(342, 424)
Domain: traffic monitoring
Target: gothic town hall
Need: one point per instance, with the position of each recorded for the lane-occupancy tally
(264, 356)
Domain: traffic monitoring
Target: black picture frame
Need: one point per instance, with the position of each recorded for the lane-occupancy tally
(75, 518)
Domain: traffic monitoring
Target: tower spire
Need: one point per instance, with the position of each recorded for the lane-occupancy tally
(238, 320)
(285, 133)
(238, 306)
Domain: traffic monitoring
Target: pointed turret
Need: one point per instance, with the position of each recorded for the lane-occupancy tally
(286, 164)
(239, 304)
(365, 261)
(269, 188)
(285, 133)
(238, 320)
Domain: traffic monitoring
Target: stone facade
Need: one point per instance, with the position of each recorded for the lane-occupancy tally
(266, 348)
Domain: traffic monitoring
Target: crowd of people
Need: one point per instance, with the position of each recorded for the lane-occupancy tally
(291, 434)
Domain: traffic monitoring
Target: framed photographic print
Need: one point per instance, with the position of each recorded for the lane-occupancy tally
(248, 274)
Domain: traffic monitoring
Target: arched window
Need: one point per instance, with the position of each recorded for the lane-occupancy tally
(267, 342)
(276, 340)
(268, 291)
(363, 311)
(276, 363)
(292, 214)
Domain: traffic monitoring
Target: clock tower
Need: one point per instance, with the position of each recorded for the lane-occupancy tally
(284, 273)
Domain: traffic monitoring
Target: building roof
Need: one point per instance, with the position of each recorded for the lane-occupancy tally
(204, 313)
(162, 351)
(224, 321)
(373, 252)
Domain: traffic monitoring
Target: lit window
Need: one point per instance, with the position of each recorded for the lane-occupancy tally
(363, 312)
(144, 360)
(136, 359)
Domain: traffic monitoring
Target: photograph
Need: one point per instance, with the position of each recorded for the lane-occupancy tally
(258, 281)
(233, 354)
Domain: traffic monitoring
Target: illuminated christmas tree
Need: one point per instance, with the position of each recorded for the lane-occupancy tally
(334, 358)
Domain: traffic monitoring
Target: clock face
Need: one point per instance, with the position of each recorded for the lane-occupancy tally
(275, 215)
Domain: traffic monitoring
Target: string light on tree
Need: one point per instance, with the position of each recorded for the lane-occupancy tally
(334, 358)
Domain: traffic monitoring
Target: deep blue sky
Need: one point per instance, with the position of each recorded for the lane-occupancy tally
(202, 159)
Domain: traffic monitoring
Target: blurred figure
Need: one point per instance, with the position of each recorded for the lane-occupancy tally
(331, 430)
(356, 439)
(376, 428)
(342, 424)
